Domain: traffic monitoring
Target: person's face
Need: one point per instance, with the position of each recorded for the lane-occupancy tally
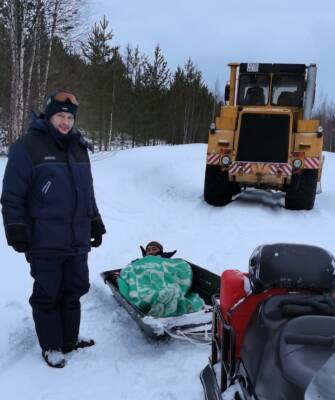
(152, 250)
(63, 122)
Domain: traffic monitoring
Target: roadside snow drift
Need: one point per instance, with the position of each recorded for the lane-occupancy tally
(149, 193)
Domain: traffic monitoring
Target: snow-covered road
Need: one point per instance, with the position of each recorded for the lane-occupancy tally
(150, 193)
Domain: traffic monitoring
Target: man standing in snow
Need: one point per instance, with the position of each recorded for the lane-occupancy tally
(50, 214)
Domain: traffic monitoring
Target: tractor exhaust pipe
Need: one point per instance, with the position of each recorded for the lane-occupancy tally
(310, 91)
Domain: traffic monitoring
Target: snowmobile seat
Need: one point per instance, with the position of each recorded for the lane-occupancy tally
(260, 337)
(285, 351)
(306, 343)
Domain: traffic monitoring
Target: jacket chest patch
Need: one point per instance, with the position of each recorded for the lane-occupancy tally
(49, 158)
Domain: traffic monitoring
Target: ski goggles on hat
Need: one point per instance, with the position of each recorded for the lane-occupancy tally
(63, 96)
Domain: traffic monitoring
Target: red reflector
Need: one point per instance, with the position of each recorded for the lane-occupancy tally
(298, 154)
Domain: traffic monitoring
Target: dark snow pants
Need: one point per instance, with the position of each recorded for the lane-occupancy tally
(60, 281)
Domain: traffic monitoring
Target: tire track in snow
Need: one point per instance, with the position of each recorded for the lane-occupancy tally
(20, 342)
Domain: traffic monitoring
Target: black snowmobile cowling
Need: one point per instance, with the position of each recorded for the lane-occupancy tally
(288, 318)
(205, 283)
(291, 266)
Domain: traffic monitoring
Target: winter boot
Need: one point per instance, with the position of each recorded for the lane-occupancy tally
(80, 344)
(54, 358)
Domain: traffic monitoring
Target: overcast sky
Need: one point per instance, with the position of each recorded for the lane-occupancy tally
(216, 32)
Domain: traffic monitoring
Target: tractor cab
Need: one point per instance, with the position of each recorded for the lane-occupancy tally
(271, 84)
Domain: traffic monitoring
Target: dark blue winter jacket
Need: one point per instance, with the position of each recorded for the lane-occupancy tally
(48, 188)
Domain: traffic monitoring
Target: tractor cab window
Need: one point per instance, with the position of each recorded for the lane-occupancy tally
(253, 89)
(287, 90)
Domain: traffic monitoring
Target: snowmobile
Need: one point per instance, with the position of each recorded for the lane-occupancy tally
(274, 328)
(193, 326)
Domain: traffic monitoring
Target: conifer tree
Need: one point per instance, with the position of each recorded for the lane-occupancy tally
(121, 96)
(156, 78)
(105, 66)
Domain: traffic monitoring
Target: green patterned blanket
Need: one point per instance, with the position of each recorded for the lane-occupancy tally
(159, 286)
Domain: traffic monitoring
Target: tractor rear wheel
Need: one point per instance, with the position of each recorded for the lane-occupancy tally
(218, 191)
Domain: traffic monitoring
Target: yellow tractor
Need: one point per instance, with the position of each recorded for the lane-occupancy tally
(264, 136)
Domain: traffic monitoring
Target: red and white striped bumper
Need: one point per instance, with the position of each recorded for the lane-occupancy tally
(312, 163)
(244, 167)
(213, 159)
(239, 167)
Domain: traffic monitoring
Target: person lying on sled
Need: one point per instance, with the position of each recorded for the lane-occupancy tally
(159, 285)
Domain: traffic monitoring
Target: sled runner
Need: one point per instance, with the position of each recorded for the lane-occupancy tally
(192, 326)
(270, 339)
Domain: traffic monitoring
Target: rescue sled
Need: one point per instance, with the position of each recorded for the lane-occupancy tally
(193, 326)
(267, 342)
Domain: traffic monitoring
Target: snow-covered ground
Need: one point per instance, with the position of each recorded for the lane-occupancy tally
(149, 193)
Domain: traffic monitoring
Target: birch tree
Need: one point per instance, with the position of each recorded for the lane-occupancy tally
(63, 19)
(35, 47)
(16, 15)
(29, 23)
(54, 19)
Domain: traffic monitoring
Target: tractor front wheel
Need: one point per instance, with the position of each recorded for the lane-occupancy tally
(300, 194)
(218, 191)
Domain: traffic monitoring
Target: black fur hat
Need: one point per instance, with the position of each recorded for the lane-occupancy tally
(154, 243)
(161, 253)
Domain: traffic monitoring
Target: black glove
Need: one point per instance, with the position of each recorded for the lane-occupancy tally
(97, 230)
(96, 241)
(21, 247)
(18, 237)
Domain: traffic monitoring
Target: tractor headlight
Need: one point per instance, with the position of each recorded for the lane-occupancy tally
(225, 160)
(212, 127)
(297, 163)
(320, 132)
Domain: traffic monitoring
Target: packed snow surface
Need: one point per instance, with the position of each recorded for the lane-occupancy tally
(149, 193)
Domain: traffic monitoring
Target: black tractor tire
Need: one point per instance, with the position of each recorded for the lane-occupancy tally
(218, 191)
(300, 194)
